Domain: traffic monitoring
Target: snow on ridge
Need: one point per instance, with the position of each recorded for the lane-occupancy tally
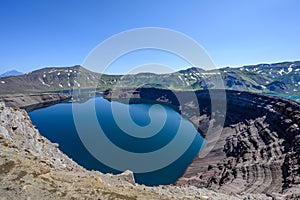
(180, 78)
(192, 77)
(281, 71)
(52, 70)
(44, 82)
(211, 73)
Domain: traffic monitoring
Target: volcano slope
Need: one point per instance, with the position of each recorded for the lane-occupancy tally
(259, 146)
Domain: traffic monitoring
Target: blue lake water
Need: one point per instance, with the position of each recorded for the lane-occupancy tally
(292, 97)
(57, 124)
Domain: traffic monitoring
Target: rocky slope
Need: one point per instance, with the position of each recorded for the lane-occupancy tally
(258, 149)
(31, 167)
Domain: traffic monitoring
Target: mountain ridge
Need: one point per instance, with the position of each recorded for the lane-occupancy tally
(279, 78)
(11, 73)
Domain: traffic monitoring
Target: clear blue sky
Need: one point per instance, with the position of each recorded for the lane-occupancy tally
(40, 33)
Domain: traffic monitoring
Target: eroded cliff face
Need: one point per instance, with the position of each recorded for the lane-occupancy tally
(259, 147)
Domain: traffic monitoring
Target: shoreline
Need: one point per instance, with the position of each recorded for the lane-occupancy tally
(31, 102)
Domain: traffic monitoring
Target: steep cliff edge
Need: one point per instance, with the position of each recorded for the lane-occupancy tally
(259, 147)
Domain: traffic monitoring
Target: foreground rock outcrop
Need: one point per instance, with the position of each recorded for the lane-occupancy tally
(258, 150)
(31, 167)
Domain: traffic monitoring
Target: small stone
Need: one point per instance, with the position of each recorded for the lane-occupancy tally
(126, 176)
(14, 127)
(98, 179)
(6, 144)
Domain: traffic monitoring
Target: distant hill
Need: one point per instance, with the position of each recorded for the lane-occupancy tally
(277, 78)
(11, 73)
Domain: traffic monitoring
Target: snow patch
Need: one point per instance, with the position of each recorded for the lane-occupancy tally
(281, 71)
(211, 73)
(51, 71)
(43, 82)
(2, 81)
(193, 78)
